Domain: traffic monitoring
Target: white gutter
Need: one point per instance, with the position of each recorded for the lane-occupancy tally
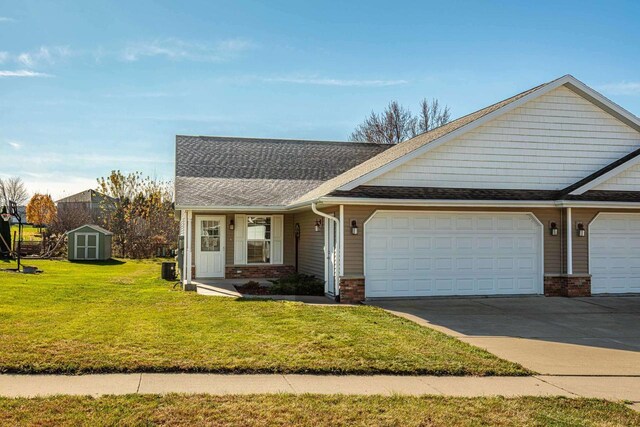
(435, 202)
(336, 264)
(478, 203)
(417, 202)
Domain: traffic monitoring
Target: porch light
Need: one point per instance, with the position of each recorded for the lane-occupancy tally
(231, 225)
(354, 227)
(553, 228)
(580, 229)
(318, 224)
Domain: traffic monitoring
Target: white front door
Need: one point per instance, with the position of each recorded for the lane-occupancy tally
(209, 245)
(411, 254)
(614, 253)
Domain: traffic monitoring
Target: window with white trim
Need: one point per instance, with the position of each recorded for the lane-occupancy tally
(258, 239)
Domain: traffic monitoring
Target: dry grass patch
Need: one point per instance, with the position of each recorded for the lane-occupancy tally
(311, 410)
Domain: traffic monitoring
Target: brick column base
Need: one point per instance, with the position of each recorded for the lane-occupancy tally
(563, 285)
(351, 290)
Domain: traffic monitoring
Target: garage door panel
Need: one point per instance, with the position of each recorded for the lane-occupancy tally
(400, 243)
(463, 264)
(452, 254)
(526, 284)
(614, 253)
(443, 264)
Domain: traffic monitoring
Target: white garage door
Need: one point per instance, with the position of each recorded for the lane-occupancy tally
(430, 253)
(614, 253)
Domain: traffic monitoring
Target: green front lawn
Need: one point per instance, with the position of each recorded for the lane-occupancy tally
(311, 410)
(120, 317)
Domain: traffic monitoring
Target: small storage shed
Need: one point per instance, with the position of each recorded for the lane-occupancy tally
(89, 243)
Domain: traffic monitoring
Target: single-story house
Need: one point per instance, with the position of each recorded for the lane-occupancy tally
(536, 194)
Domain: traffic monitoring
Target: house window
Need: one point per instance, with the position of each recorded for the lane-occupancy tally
(259, 239)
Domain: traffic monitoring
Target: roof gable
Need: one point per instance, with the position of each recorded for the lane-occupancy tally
(547, 143)
(91, 227)
(408, 150)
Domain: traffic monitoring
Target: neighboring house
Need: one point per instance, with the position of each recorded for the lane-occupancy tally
(91, 202)
(537, 194)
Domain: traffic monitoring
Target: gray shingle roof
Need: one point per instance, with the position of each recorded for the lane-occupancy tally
(230, 171)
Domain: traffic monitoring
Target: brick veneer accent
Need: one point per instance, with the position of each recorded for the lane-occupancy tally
(351, 290)
(257, 271)
(563, 285)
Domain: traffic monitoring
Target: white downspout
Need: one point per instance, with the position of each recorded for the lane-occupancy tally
(185, 258)
(336, 267)
(569, 243)
(189, 245)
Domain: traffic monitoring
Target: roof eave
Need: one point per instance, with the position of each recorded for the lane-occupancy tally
(477, 203)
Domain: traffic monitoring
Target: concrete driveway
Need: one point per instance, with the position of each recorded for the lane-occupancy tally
(554, 336)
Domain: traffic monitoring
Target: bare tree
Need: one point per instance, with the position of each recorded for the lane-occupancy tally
(140, 213)
(432, 115)
(396, 123)
(393, 125)
(13, 189)
(69, 217)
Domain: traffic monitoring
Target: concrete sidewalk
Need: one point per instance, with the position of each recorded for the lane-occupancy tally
(611, 388)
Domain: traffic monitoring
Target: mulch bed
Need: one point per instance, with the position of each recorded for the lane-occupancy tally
(253, 288)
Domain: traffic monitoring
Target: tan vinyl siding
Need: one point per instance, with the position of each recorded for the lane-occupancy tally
(289, 241)
(311, 245)
(354, 255)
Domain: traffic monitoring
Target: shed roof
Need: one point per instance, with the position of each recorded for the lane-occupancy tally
(93, 226)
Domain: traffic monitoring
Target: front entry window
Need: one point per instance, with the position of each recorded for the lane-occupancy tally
(210, 236)
(259, 239)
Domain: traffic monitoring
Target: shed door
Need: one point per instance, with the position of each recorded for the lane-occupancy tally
(86, 246)
(441, 253)
(614, 253)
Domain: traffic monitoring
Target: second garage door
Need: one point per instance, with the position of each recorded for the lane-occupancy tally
(441, 253)
(614, 253)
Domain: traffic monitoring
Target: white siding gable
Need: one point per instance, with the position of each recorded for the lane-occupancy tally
(548, 143)
(628, 180)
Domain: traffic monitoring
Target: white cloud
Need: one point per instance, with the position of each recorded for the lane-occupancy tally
(15, 145)
(22, 73)
(44, 55)
(177, 50)
(6, 19)
(322, 81)
(621, 88)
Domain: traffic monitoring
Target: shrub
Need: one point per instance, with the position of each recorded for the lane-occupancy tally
(297, 284)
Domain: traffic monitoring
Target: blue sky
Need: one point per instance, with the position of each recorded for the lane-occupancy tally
(91, 86)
